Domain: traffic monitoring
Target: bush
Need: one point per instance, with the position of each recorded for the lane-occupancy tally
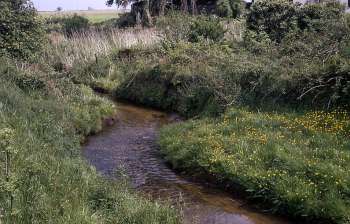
(223, 8)
(188, 80)
(274, 17)
(314, 16)
(183, 27)
(279, 17)
(67, 24)
(229, 8)
(21, 32)
(206, 28)
(75, 23)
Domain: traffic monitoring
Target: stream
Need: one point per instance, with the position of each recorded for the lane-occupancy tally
(130, 146)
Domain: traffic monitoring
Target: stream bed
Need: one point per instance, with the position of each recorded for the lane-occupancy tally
(130, 146)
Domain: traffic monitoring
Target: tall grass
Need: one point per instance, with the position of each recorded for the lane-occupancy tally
(43, 179)
(88, 45)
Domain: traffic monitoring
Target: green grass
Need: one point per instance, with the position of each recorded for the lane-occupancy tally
(296, 164)
(98, 18)
(94, 16)
(43, 119)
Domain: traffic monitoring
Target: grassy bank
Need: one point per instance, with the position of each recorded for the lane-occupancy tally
(297, 164)
(213, 69)
(44, 117)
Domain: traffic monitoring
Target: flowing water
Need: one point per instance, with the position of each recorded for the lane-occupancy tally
(130, 146)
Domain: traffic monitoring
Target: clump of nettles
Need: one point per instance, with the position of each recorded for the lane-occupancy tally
(6, 137)
(7, 183)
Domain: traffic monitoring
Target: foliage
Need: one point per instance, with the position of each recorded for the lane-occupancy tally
(175, 25)
(184, 77)
(279, 17)
(125, 20)
(183, 27)
(67, 24)
(223, 8)
(229, 8)
(75, 23)
(207, 28)
(296, 164)
(276, 18)
(21, 33)
(300, 72)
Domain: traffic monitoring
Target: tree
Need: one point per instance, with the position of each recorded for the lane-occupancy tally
(140, 10)
(193, 6)
(21, 32)
(59, 9)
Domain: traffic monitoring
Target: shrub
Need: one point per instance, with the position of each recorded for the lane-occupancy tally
(75, 23)
(67, 24)
(21, 32)
(175, 25)
(279, 17)
(206, 28)
(223, 8)
(124, 20)
(229, 8)
(274, 17)
(237, 8)
(314, 16)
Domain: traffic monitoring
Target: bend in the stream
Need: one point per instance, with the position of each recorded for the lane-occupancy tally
(130, 145)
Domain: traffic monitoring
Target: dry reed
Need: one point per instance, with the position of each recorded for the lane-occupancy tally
(86, 46)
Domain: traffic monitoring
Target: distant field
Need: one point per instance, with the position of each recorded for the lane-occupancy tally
(94, 16)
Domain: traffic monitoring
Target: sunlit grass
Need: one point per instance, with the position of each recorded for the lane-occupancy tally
(297, 163)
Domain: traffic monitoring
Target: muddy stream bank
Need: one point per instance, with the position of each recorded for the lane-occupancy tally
(130, 145)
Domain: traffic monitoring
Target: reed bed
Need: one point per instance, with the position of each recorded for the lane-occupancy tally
(88, 45)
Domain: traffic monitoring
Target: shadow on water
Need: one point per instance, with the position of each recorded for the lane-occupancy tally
(130, 145)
